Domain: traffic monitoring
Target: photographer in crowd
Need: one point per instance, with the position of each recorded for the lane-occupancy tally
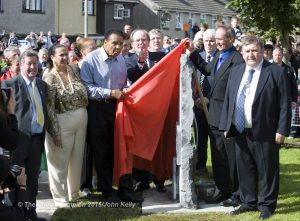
(8, 121)
(14, 178)
(8, 180)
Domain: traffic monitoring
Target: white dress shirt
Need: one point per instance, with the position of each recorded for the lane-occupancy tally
(250, 92)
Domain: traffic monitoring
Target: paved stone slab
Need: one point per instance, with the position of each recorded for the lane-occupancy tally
(155, 202)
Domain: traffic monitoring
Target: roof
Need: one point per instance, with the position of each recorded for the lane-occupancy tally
(124, 1)
(213, 7)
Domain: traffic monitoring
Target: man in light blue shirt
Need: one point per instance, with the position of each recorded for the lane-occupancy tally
(104, 74)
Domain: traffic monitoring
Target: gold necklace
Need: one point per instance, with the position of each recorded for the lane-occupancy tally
(63, 85)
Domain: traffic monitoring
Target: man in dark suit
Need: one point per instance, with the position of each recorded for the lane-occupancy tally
(138, 64)
(30, 95)
(257, 112)
(202, 128)
(289, 71)
(222, 151)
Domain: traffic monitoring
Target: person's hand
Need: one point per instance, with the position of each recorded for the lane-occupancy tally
(198, 102)
(279, 139)
(294, 105)
(22, 178)
(11, 102)
(57, 140)
(118, 94)
(142, 54)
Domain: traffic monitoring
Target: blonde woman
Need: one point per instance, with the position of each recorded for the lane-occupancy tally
(65, 139)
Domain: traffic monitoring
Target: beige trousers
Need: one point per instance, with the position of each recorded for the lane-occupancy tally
(65, 164)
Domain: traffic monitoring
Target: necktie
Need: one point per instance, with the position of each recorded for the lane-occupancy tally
(38, 108)
(208, 58)
(220, 61)
(239, 108)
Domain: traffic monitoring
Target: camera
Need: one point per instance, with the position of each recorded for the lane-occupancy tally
(16, 169)
(7, 92)
(11, 181)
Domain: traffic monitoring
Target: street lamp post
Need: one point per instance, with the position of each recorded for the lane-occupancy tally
(85, 18)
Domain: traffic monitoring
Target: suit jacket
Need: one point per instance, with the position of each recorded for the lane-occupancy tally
(23, 106)
(133, 70)
(218, 81)
(207, 79)
(271, 109)
(292, 81)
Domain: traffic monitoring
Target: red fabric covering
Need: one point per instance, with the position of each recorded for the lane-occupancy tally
(145, 126)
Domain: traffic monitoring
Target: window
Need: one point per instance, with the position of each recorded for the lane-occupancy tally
(33, 5)
(178, 20)
(193, 17)
(90, 7)
(118, 11)
(226, 20)
(126, 13)
(202, 18)
(213, 21)
(165, 19)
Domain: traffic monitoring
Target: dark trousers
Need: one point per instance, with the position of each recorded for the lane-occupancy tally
(203, 132)
(89, 162)
(30, 158)
(257, 160)
(223, 162)
(101, 120)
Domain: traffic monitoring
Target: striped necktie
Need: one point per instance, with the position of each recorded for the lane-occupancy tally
(37, 106)
(239, 107)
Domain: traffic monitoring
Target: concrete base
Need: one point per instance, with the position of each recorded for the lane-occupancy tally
(156, 202)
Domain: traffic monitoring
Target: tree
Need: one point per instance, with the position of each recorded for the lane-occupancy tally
(269, 18)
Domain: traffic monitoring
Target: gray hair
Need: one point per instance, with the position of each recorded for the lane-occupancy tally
(10, 49)
(156, 32)
(209, 34)
(142, 30)
(252, 39)
(29, 53)
(43, 51)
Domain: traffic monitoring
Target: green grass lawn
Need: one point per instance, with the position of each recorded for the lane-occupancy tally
(288, 203)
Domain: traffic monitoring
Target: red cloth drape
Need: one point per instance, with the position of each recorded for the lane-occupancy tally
(145, 126)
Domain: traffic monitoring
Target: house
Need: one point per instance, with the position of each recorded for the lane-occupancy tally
(172, 16)
(23, 16)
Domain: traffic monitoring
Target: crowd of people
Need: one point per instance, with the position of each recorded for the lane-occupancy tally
(60, 98)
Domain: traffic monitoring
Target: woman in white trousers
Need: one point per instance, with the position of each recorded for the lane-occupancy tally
(66, 126)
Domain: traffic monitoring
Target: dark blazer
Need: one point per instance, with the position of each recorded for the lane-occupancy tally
(133, 70)
(9, 132)
(271, 109)
(218, 81)
(292, 81)
(207, 79)
(23, 105)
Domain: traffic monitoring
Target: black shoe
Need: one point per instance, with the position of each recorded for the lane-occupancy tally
(265, 214)
(218, 198)
(129, 196)
(141, 186)
(242, 210)
(160, 185)
(232, 201)
(111, 197)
